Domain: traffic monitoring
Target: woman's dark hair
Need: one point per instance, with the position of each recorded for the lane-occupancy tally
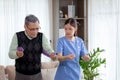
(30, 18)
(73, 23)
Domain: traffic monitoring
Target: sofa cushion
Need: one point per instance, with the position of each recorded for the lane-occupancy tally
(49, 65)
(48, 74)
(46, 69)
(3, 77)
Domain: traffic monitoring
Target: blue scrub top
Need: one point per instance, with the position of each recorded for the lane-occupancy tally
(70, 69)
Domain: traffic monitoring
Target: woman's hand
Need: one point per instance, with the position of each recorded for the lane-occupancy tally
(71, 56)
(62, 58)
(86, 58)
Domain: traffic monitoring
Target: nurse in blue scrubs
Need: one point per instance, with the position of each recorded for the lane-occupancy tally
(69, 49)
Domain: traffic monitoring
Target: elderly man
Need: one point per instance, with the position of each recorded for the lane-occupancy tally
(26, 48)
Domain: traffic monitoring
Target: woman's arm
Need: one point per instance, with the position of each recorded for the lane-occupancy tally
(60, 57)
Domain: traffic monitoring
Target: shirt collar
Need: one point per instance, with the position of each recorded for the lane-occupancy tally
(28, 35)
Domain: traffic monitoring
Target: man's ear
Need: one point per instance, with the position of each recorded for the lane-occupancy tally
(25, 27)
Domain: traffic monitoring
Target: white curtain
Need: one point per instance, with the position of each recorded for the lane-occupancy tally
(12, 14)
(118, 43)
(104, 32)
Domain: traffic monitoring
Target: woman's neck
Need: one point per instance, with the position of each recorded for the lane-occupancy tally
(70, 38)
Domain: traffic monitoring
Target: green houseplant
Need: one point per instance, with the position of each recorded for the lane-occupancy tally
(90, 67)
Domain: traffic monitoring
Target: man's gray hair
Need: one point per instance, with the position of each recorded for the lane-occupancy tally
(31, 18)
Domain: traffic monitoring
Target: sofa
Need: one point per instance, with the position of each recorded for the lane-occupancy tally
(48, 70)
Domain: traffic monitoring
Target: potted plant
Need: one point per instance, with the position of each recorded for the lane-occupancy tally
(90, 67)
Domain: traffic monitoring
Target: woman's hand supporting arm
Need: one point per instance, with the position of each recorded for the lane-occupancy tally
(60, 57)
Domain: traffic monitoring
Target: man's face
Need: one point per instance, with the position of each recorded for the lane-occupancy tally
(32, 29)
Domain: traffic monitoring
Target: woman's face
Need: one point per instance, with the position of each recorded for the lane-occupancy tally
(69, 30)
(32, 29)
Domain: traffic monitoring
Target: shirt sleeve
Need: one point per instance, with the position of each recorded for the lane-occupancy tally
(46, 45)
(59, 46)
(83, 49)
(13, 48)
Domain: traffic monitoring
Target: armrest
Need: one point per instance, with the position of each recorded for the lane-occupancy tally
(10, 70)
(2, 70)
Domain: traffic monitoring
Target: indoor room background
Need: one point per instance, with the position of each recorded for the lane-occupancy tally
(103, 28)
